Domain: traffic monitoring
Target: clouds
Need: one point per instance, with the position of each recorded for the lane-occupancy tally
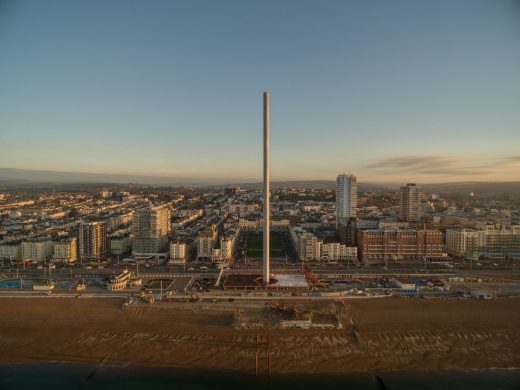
(438, 165)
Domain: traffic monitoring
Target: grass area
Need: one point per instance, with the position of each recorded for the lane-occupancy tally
(255, 243)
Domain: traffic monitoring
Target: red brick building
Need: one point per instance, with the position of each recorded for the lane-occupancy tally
(374, 245)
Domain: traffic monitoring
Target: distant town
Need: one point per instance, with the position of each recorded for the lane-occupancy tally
(194, 240)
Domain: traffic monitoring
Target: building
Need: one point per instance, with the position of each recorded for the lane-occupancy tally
(226, 246)
(185, 218)
(231, 190)
(105, 194)
(11, 250)
(310, 248)
(66, 250)
(206, 241)
(335, 251)
(348, 232)
(346, 198)
(410, 203)
(502, 240)
(150, 228)
(38, 249)
(306, 244)
(119, 245)
(178, 252)
(119, 282)
(487, 240)
(257, 224)
(399, 245)
(92, 240)
(227, 242)
(463, 242)
(118, 220)
(243, 209)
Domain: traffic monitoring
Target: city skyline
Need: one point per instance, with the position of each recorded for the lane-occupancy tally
(156, 92)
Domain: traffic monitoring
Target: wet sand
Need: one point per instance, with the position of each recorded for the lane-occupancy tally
(392, 335)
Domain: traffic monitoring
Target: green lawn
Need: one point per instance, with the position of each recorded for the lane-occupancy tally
(255, 242)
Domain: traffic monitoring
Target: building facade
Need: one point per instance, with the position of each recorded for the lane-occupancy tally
(92, 240)
(11, 251)
(227, 242)
(66, 250)
(243, 209)
(258, 224)
(463, 242)
(206, 241)
(335, 251)
(38, 249)
(487, 240)
(502, 240)
(119, 245)
(346, 198)
(395, 245)
(178, 252)
(410, 203)
(150, 228)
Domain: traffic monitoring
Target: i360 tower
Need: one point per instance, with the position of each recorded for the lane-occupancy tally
(267, 224)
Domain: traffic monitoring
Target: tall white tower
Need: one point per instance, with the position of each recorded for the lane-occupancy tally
(346, 198)
(267, 219)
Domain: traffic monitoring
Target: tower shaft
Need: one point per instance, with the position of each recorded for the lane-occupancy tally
(267, 216)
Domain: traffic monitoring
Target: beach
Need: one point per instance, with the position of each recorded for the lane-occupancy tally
(380, 335)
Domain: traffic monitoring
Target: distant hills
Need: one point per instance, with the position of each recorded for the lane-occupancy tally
(12, 177)
(313, 184)
(479, 188)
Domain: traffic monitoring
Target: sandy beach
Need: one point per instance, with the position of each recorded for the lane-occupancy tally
(392, 335)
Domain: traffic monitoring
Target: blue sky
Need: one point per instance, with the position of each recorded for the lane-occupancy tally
(425, 91)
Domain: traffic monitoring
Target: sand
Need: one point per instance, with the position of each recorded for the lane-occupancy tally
(391, 335)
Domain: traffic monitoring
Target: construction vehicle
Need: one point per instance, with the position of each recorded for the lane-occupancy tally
(146, 298)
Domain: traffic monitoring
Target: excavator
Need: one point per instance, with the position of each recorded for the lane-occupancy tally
(147, 298)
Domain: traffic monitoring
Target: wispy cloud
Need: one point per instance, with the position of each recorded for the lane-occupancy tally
(438, 165)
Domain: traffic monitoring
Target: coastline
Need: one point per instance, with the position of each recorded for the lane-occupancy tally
(398, 336)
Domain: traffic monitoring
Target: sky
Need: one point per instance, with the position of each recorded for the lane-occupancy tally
(391, 91)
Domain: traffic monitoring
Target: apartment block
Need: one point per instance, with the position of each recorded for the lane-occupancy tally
(395, 245)
(39, 249)
(410, 203)
(66, 250)
(346, 198)
(11, 250)
(150, 228)
(92, 240)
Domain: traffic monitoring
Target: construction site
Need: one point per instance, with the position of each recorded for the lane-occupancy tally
(279, 315)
